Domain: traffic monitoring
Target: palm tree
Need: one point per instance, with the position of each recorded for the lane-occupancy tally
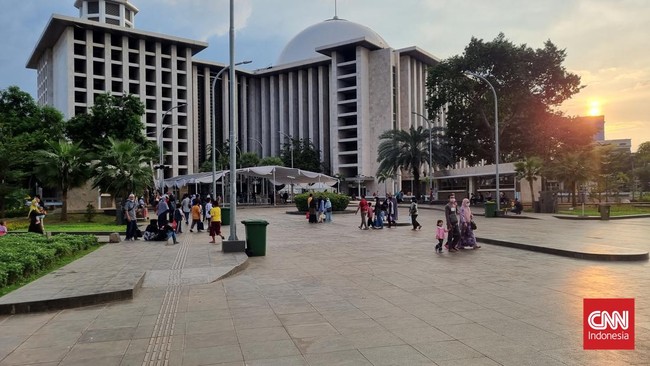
(529, 169)
(573, 168)
(122, 169)
(400, 149)
(62, 166)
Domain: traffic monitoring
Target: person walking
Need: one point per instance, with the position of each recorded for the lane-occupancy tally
(467, 238)
(162, 210)
(215, 222)
(390, 211)
(451, 216)
(328, 210)
(186, 205)
(196, 216)
(363, 207)
(440, 235)
(131, 220)
(370, 215)
(413, 212)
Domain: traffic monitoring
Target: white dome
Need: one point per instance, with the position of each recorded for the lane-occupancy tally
(304, 44)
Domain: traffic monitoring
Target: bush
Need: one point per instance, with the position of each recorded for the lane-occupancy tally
(25, 254)
(339, 201)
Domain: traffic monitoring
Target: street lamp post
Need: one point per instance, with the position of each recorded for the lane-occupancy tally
(430, 155)
(291, 149)
(261, 146)
(161, 167)
(214, 124)
(496, 134)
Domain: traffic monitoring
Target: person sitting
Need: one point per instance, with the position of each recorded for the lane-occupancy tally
(517, 207)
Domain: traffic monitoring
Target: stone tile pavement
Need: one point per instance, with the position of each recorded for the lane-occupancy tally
(330, 294)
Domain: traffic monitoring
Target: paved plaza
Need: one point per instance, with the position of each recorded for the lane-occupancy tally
(331, 294)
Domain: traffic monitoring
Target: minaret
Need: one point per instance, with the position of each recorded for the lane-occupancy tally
(115, 12)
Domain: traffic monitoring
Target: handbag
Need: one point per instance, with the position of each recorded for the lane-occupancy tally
(472, 224)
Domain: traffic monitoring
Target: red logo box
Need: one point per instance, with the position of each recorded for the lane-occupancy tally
(608, 323)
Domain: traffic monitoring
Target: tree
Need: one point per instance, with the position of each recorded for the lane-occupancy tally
(529, 83)
(122, 169)
(24, 127)
(271, 160)
(573, 168)
(642, 166)
(305, 155)
(63, 165)
(409, 150)
(529, 169)
(117, 117)
(249, 159)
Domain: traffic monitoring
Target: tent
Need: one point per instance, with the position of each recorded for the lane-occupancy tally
(276, 174)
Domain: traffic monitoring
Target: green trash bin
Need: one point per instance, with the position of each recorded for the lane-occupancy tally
(255, 237)
(604, 211)
(225, 216)
(490, 209)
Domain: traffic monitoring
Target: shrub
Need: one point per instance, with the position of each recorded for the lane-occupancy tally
(339, 201)
(90, 212)
(24, 254)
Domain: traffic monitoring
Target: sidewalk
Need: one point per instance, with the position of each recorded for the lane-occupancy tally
(331, 294)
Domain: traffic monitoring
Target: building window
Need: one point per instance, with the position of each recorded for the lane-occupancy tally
(113, 9)
(93, 7)
(112, 21)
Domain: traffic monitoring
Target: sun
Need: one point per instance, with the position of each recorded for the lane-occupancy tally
(594, 108)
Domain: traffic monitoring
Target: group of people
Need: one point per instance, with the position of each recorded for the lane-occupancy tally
(383, 212)
(459, 227)
(171, 213)
(319, 209)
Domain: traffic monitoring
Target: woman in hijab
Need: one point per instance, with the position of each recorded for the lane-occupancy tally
(467, 238)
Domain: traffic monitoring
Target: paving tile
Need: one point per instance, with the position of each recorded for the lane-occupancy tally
(447, 350)
(421, 335)
(203, 340)
(269, 350)
(374, 339)
(280, 361)
(311, 330)
(212, 355)
(23, 356)
(339, 358)
(395, 355)
(103, 335)
(262, 334)
(312, 317)
(323, 344)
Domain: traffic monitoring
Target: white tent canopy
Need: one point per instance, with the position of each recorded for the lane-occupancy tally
(276, 174)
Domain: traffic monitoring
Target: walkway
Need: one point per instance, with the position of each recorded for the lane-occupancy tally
(330, 294)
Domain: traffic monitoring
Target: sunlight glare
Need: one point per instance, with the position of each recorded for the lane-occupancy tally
(594, 108)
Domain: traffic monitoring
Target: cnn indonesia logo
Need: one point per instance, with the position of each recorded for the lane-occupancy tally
(608, 323)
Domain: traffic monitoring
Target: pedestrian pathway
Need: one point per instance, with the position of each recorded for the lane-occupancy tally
(330, 294)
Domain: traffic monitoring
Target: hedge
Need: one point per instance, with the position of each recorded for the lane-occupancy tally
(339, 201)
(24, 254)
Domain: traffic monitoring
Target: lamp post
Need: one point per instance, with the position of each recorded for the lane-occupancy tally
(259, 142)
(161, 167)
(496, 133)
(214, 124)
(430, 157)
(291, 148)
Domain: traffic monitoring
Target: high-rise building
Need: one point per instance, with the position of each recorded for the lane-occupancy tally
(337, 83)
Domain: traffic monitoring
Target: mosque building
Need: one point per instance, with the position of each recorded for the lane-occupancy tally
(337, 83)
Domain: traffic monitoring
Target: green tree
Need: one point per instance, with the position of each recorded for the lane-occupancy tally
(117, 117)
(249, 159)
(305, 155)
(529, 83)
(271, 160)
(642, 166)
(529, 169)
(63, 165)
(409, 150)
(122, 169)
(24, 126)
(573, 168)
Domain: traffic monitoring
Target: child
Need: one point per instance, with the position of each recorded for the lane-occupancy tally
(3, 228)
(440, 235)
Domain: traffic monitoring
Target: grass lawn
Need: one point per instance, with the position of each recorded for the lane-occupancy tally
(77, 222)
(615, 210)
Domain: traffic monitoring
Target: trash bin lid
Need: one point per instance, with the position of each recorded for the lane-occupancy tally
(254, 222)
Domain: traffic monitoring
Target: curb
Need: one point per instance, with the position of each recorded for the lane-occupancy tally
(71, 302)
(632, 257)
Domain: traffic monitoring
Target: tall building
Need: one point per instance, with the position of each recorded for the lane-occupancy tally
(336, 83)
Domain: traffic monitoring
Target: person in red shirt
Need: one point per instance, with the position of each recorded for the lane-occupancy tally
(363, 207)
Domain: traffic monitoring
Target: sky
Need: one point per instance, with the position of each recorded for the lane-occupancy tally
(607, 41)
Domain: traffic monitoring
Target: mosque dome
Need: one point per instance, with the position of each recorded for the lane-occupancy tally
(303, 45)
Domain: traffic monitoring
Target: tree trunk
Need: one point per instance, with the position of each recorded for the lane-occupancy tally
(573, 194)
(64, 207)
(532, 194)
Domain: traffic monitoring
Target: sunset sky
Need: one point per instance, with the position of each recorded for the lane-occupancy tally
(607, 41)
